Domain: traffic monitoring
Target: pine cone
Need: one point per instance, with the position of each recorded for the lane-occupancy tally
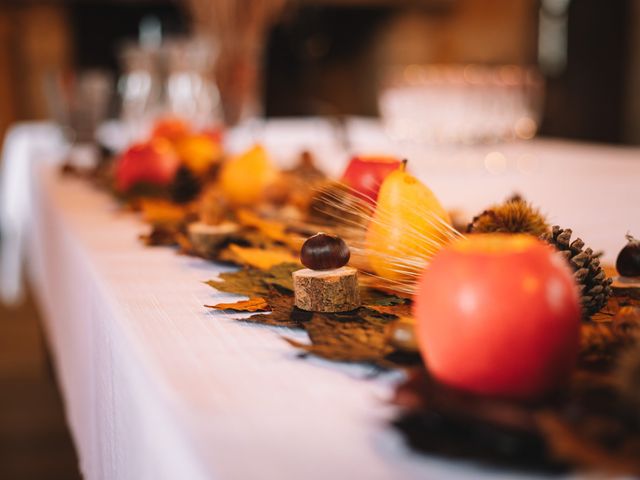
(185, 186)
(513, 216)
(594, 285)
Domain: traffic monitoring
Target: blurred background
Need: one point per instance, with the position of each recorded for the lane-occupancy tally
(559, 68)
(334, 56)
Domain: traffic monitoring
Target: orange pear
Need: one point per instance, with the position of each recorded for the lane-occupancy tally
(408, 227)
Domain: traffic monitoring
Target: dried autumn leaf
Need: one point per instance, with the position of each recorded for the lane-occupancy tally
(398, 310)
(440, 420)
(271, 229)
(247, 282)
(280, 276)
(283, 313)
(258, 304)
(158, 211)
(253, 282)
(264, 259)
(570, 444)
(353, 337)
(160, 235)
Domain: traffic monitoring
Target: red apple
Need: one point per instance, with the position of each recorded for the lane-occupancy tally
(365, 174)
(153, 162)
(498, 315)
(171, 128)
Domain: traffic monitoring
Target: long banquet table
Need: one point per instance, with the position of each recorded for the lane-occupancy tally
(157, 387)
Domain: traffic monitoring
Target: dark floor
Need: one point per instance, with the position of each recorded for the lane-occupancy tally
(34, 440)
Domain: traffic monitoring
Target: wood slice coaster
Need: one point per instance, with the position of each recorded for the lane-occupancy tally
(207, 239)
(626, 286)
(326, 290)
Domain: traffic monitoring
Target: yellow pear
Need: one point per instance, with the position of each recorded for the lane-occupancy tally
(408, 227)
(244, 177)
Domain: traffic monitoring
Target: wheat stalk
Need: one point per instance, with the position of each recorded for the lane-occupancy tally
(353, 215)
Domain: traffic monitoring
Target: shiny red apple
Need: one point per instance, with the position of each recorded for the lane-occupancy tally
(498, 315)
(153, 162)
(365, 174)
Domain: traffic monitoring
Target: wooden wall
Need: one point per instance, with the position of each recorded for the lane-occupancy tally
(34, 40)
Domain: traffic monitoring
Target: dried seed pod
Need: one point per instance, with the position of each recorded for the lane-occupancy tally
(628, 261)
(324, 252)
(513, 216)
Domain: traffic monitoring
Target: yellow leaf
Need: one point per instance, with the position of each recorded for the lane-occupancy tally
(252, 305)
(259, 258)
(269, 228)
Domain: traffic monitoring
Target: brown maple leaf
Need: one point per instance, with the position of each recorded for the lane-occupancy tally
(283, 312)
(353, 337)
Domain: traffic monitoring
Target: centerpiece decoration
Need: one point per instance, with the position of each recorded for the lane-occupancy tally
(517, 346)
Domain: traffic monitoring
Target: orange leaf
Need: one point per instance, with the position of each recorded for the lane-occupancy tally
(257, 304)
(402, 310)
(157, 211)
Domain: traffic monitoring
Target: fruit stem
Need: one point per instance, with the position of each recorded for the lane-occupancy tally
(630, 238)
(403, 167)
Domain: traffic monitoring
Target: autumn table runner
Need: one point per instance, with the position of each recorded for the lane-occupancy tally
(153, 359)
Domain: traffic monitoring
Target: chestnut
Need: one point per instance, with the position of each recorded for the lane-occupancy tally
(628, 261)
(323, 251)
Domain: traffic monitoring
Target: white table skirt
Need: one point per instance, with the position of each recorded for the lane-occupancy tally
(156, 386)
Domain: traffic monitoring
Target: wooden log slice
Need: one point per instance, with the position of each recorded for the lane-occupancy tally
(206, 239)
(326, 290)
(626, 287)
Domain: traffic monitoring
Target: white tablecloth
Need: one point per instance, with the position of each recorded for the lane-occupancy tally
(158, 387)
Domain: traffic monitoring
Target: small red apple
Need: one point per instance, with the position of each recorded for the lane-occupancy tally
(154, 162)
(365, 174)
(171, 128)
(498, 315)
